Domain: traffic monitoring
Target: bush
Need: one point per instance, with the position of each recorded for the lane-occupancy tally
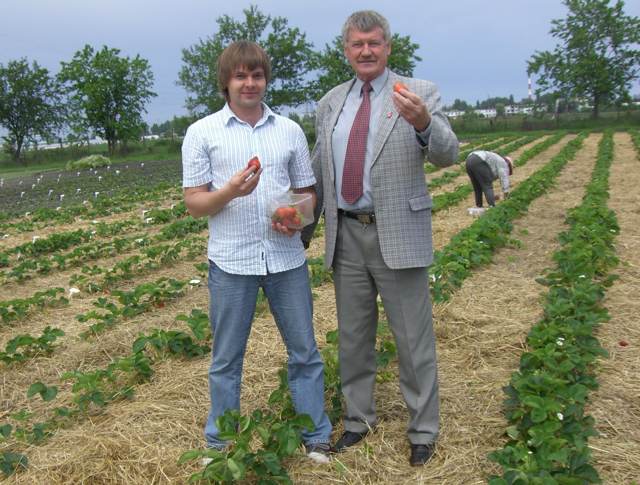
(92, 161)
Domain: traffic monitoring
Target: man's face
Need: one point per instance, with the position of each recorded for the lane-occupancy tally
(367, 53)
(246, 88)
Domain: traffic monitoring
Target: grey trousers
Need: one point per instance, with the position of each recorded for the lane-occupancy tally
(481, 179)
(360, 274)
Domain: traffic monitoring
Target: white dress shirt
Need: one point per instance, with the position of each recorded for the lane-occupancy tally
(241, 240)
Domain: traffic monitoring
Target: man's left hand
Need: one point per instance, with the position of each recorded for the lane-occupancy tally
(282, 229)
(412, 108)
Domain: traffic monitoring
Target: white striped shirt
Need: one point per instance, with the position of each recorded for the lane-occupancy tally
(241, 240)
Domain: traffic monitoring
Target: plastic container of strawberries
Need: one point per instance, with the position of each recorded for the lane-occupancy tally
(294, 211)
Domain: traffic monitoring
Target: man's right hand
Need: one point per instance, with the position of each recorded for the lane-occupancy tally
(243, 182)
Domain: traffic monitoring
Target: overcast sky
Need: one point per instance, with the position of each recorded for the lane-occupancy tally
(472, 49)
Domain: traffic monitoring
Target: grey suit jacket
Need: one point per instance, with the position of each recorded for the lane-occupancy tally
(401, 198)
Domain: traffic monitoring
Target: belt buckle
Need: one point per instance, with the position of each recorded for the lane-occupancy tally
(365, 218)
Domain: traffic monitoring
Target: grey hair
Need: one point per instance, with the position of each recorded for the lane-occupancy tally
(365, 21)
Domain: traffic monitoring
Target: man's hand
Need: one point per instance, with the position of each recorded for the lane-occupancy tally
(412, 108)
(243, 182)
(202, 202)
(276, 226)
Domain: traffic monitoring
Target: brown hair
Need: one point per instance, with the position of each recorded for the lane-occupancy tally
(242, 53)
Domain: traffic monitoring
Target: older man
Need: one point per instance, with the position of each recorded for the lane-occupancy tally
(373, 133)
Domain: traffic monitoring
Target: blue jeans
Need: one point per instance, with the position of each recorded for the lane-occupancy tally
(232, 305)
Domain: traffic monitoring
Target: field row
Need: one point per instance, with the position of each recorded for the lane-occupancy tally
(481, 333)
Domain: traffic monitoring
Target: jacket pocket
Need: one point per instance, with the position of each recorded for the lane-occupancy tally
(421, 203)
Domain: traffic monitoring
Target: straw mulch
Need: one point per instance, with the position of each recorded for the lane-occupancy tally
(480, 333)
(616, 405)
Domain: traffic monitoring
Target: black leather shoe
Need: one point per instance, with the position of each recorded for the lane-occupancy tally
(348, 438)
(421, 454)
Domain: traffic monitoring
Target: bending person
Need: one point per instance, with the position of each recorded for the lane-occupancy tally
(483, 168)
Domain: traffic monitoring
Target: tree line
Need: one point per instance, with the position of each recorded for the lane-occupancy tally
(101, 92)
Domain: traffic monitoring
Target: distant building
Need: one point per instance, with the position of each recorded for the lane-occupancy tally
(511, 109)
(486, 113)
(454, 113)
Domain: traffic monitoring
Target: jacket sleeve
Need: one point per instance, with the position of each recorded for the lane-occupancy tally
(316, 163)
(503, 174)
(442, 149)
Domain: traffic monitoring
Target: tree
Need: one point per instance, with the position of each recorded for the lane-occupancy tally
(595, 59)
(460, 105)
(29, 104)
(286, 47)
(334, 68)
(108, 93)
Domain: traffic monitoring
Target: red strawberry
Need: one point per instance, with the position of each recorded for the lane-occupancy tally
(623, 343)
(254, 162)
(398, 86)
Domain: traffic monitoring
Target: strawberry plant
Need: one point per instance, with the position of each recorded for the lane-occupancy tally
(198, 322)
(170, 342)
(12, 462)
(30, 346)
(18, 308)
(546, 398)
(47, 393)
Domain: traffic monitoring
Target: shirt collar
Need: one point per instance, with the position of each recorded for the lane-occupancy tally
(377, 84)
(228, 115)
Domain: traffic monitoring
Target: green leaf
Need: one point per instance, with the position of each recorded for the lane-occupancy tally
(11, 462)
(236, 469)
(189, 456)
(5, 430)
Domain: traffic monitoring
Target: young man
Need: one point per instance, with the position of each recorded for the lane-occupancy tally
(246, 251)
(373, 133)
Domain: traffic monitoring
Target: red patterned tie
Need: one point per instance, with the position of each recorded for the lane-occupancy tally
(356, 148)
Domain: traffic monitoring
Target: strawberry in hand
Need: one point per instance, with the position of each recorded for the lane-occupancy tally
(398, 86)
(254, 164)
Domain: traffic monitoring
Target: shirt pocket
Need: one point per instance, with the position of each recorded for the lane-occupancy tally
(421, 202)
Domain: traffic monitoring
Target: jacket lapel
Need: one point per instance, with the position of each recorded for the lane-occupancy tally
(335, 106)
(389, 116)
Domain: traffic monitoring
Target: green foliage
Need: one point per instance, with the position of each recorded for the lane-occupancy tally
(257, 444)
(24, 347)
(597, 57)
(334, 68)
(107, 93)
(46, 393)
(547, 396)
(18, 308)
(198, 322)
(30, 104)
(90, 161)
(12, 462)
(278, 440)
(287, 47)
(172, 342)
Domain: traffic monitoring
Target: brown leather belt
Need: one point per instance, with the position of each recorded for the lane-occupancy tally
(364, 218)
